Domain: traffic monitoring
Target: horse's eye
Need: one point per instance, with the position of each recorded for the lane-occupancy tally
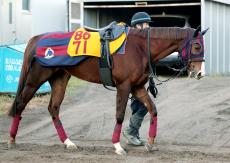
(197, 46)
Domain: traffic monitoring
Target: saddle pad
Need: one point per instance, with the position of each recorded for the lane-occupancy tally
(53, 44)
(51, 50)
(89, 44)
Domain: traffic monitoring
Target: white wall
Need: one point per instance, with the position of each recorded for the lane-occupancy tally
(7, 30)
(23, 24)
(44, 16)
(1, 22)
(20, 29)
(48, 16)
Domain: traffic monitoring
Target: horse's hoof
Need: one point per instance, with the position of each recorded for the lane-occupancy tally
(121, 152)
(71, 147)
(11, 145)
(69, 144)
(151, 147)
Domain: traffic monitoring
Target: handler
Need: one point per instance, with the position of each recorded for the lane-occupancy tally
(139, 20)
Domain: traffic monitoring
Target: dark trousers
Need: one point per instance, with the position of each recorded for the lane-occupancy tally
(138, 113)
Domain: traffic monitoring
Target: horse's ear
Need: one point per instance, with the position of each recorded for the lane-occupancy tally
(195, 34)
(204, 31)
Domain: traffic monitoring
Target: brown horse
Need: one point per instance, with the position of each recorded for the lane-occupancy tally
(130, 73)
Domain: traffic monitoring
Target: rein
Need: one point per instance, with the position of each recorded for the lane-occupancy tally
(152, 86)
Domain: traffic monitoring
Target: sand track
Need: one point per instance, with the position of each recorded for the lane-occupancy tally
(194, 126)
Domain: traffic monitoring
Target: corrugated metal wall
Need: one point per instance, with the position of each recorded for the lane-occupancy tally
(217, 40)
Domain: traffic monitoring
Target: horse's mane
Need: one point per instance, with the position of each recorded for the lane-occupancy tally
(164, 32)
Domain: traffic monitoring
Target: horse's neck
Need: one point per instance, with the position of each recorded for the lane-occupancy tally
(166, 50)
(163, 41)
(165, 45)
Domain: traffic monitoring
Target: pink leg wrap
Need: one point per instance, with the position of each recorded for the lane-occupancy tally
(14, 125)
(116, 133)
(60, 129)
(153, 127)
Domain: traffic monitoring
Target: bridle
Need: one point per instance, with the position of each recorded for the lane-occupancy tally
(188, 56)
(186, 52)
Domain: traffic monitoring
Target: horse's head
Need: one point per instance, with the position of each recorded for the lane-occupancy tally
(192, 53)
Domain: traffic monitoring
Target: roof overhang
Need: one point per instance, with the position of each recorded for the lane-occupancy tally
(222, 1)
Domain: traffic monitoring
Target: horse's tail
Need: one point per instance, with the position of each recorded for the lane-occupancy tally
(27, 61)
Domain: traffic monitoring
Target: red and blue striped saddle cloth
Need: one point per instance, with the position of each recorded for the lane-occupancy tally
(52, 50)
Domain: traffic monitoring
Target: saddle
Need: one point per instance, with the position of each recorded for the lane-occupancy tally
(107, 34)
(111, 32)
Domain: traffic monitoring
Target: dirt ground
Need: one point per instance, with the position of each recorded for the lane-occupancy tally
(194, 126)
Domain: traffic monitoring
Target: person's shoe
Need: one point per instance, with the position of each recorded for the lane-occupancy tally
(143, 142)
(133, 140)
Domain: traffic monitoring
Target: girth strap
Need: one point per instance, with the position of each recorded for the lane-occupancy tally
(106, 61)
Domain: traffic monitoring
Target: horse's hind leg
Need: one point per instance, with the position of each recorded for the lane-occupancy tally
(33, 82)
(58, 84)
(142, 95)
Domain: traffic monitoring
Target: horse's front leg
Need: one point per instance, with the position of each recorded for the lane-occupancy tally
(123, 91)
(142, 95)
(58, 84)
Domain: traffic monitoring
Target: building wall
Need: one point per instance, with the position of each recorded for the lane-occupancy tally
(23, 21)
(19, 29)
(48, 16)
(43, 16)
(217, 17)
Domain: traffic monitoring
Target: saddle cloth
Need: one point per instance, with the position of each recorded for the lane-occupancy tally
(68, 49)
